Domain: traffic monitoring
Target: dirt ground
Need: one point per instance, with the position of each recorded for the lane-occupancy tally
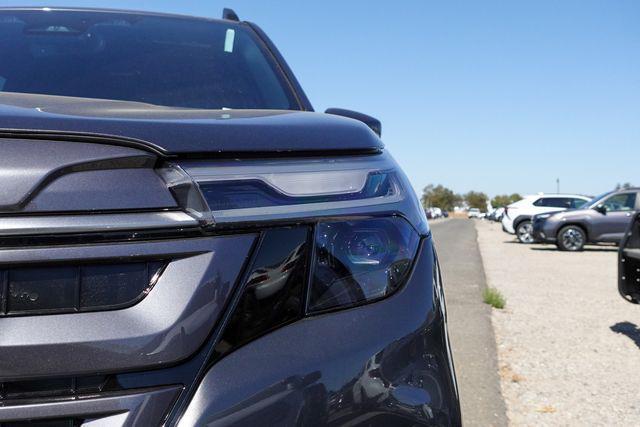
(568, 345)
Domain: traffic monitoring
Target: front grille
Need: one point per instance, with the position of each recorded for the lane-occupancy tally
(51, 387)
(43, 289)
(264, 269)
(56, 422)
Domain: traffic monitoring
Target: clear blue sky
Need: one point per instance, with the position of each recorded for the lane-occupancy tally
(493, 96)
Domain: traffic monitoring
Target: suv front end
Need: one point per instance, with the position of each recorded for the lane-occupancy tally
(173, 265)
(545, 227)
(302, 290)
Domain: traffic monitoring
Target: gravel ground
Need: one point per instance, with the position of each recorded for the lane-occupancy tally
(568, 345)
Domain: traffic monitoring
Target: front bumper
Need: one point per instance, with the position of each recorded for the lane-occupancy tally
(507, 225)
(544, 231)
(385, 363)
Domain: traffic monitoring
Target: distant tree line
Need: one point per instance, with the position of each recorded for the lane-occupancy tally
(503, 200)
(444, 198)
(440, 196)
(624, 186)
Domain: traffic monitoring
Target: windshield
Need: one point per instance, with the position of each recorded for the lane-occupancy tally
(171, 61)
(595, 200)
(585, 205)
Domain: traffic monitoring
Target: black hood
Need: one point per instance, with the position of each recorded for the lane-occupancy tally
(180, 131)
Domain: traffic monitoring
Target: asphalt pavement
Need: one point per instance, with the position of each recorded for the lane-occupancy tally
(470, 329)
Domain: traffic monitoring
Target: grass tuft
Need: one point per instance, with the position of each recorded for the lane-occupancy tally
(494, 298)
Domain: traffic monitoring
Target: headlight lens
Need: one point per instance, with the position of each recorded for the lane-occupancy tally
(359, 261)
(355, 261)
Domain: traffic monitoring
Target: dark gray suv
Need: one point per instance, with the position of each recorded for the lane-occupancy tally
(184, 241)
(602, 220)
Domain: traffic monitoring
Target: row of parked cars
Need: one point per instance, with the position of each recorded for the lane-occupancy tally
(495, 215)
(572, 221)
(435, 212)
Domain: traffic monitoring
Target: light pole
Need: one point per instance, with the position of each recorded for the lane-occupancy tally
(558, 185)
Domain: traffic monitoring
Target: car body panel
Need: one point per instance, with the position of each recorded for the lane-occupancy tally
(356, 369)
(167, 326)
(629, 263)
(183, 130)
(610, 227)
(28, 167)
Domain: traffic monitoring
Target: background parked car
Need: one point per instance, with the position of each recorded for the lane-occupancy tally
(434, 213)
(517, 216)
(603, 220)
(496, 214)
(499, 214)
(474, 213)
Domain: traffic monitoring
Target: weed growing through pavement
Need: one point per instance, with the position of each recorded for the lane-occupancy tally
(494, 298)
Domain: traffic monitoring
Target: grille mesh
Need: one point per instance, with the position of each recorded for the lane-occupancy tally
(45, 289)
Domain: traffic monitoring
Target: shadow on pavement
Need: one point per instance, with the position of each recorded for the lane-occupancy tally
(629, 329)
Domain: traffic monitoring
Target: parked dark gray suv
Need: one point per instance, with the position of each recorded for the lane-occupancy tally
(602, 220)
(183, 241)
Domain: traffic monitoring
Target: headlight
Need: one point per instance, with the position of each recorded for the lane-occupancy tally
(349, 262)
(356, 261)
(360, 261)
(250, 191)
(543, 216)
(226, 197)
(334, 232)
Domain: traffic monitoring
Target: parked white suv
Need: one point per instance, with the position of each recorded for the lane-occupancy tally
(517, 216)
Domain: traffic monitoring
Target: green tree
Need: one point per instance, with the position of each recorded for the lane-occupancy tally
(439, 196)
(503, 200)
(476, 199)
(624, 186)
